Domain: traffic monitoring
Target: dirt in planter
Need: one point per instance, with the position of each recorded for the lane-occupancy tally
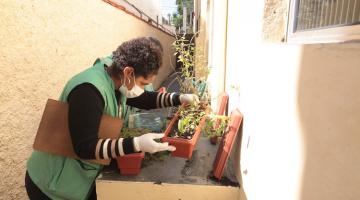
(175, 133)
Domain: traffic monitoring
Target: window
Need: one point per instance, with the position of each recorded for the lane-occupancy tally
(316, 21)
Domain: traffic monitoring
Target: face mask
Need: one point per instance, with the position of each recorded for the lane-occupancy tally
(134, 92)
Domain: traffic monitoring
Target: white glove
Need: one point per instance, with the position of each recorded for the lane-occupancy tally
(189, 98)
(146, 143)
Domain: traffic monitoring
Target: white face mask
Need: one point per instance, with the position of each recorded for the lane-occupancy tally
(134, 92)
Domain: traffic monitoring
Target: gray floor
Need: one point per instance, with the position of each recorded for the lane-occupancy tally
(176, 170)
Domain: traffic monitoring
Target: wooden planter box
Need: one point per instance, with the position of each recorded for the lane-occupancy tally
(184, 147)
(130, 164)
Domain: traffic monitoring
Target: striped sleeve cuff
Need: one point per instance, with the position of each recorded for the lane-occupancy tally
(167, 99)
(113, 148)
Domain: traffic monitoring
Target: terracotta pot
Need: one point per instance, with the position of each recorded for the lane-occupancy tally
(184, 147)
(130, 164)
(214, 140)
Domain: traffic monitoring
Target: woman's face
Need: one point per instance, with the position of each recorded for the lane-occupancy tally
(141, 81)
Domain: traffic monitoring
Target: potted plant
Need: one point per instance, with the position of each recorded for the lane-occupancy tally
(184, 129)
(215, 127)
(214, 137)
(186, 122)
(130, 164)
(192, 66)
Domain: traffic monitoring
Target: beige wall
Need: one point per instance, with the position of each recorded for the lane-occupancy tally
(201, 40)
(44, 43)
(164, 191)
(275, 20)
(301, 106)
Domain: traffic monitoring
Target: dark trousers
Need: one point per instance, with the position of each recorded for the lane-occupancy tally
(34, 193)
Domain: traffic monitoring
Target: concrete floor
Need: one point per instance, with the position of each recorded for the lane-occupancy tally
(176, 170)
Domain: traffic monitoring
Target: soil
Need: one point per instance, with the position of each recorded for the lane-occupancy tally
(224, 181)
(174, 132)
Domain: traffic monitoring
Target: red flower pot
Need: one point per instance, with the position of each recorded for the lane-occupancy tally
(214, 140)
(184, 147)
(221, 111)
(130, 164)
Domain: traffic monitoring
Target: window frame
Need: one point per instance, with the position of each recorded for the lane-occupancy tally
(338, 34)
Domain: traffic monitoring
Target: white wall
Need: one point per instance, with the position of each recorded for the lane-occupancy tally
(301, 106)
(217, 49)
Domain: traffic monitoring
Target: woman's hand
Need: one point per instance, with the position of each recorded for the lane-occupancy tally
(146, 143)
(189, 99)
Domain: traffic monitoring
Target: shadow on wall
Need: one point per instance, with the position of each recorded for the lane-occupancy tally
(329, 109)
(235, 156)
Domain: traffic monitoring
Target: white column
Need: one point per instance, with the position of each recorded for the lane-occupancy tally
(184, 18)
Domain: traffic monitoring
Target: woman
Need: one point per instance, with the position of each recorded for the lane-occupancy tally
(104, 88)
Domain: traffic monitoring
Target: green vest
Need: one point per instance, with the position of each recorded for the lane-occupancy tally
(61, 177)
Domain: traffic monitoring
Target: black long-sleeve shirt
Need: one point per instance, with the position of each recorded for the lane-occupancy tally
(86, 106)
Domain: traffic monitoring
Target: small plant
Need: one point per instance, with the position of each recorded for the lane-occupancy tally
(189, 119)
(184, 129)
(185, 126)
(215, 125)
(192, 59)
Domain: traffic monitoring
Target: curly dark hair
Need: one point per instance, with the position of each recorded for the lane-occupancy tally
(144, 54)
